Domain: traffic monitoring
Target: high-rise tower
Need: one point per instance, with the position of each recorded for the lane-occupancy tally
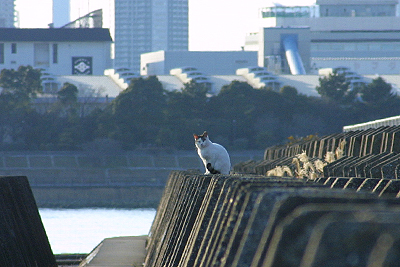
(143, 26)
(60, 13)
(7, 14)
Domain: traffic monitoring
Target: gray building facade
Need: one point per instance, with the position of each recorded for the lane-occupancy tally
(8, 17)
(143, 26)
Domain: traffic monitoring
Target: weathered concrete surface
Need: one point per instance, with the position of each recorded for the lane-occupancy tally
(372, 153)
(251, 220)
(23, 240)
(127, 251)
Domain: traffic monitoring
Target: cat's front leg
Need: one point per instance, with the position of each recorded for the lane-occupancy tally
(205, 166)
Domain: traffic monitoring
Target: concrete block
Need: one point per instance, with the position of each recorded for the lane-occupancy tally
(391, 189)
(45, 177)
(16, 161)
(368, 184)
(115, 161)
(40, 161)
(61, 161)
(228, 223)
(340, 182)
(388, 167)
(380, 186)
(167, 161)
(90, 161)
(305, 237)
(23, 239)
(354, 183)
(184, 199)
(395, 146)
(190, 162)
(140, 161)
(373, 168)
(293, 247)
(89, 176)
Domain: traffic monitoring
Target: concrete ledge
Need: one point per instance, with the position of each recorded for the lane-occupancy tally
(124, 251)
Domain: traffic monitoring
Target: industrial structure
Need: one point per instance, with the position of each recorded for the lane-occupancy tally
(360, 35)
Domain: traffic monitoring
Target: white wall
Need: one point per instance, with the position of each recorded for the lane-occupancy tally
(99, 51)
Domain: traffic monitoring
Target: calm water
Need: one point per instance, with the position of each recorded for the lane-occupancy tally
(81, 230)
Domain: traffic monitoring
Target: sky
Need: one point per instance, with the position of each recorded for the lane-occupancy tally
(214, 25)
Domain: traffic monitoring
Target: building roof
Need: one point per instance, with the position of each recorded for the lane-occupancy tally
(305, 84)
(394, 80)
(91, 85)
(55, 35)
(104, 86)
(218, 81)
(170, 82)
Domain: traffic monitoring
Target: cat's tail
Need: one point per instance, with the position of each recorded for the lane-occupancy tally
(212, 170)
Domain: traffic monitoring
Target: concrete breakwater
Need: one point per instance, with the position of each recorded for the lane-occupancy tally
(253, 220)
(349, 216)
(102, 179)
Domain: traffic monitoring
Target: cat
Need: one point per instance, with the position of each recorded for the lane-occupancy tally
(214, 156)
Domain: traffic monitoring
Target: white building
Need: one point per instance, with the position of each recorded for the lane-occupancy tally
(209, 62)
(362, 35)
(7, 14)
(59, 51)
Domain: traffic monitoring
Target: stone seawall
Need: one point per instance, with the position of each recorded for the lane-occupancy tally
(100, 179)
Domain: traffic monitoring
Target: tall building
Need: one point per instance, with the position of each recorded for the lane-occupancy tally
(139, 26)
(7, 14)
(60, 13)
(143, 26)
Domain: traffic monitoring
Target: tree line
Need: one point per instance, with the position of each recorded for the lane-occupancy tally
(146, 116)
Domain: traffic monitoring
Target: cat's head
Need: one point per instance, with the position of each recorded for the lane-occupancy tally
(201, 140)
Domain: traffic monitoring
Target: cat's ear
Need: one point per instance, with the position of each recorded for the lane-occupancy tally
(205, 134)
(195, 136)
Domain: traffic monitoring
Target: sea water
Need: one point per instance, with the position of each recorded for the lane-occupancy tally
(81, 230)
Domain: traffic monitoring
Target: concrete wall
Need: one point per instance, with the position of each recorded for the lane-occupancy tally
(127, 179)
(208, 62)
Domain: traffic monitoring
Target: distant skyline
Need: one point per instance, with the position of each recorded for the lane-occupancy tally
(214, 25)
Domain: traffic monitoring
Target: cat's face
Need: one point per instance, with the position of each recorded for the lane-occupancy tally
(201, 140)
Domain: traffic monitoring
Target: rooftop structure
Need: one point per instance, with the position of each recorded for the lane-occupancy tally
(93, 19)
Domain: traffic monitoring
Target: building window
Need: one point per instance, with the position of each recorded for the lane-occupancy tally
(55, 53)
(13, 48)
(1, 53)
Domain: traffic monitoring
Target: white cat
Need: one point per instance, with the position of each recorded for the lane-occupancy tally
(214, 156)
